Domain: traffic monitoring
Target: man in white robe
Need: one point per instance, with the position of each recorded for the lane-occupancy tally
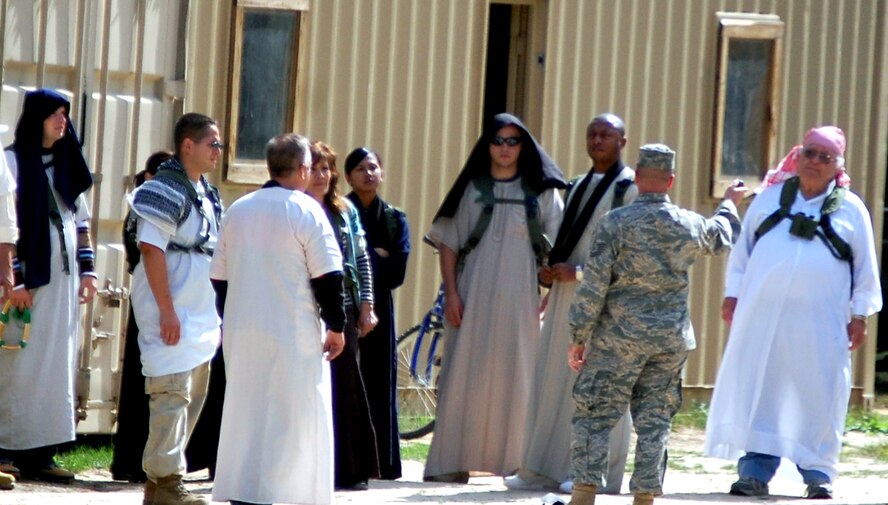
(282, 266)
(796, 310)
(608, 184)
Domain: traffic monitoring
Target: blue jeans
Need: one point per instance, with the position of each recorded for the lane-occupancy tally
(762, 467)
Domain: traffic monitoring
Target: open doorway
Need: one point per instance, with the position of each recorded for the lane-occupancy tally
(515, 60)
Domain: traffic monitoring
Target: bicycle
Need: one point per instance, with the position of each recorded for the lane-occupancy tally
(419, 363)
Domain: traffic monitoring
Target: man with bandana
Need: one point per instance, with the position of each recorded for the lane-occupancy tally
(800, 285)
(608, 184)
(630, 324)
(174, 302)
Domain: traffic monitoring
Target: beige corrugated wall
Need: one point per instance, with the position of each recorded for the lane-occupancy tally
(653, 63)
(406, 77)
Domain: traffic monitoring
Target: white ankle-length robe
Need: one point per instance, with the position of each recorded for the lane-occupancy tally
(785, 378)
(276, 440)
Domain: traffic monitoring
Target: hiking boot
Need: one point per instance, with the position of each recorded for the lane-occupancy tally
(8, 467)
(819, 491)
(52, 473)
(747, 486)
(643, 499)
(171, 491)
(583, 494)
(150, 491)
(7, 481)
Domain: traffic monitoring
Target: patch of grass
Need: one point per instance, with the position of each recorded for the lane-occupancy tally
(878, 452)
(414, 451)
(693, 417)
(680, 466)
(408, 422)
(864, 472)
(866, 421)
(80, 458)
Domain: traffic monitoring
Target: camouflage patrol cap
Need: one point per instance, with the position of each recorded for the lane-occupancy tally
(658, 156)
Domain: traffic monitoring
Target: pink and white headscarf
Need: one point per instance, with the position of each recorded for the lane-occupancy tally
(831, 137)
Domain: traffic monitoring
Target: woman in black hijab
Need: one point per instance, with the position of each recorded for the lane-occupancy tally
(388, 246)
(54, 272)
(492, 233)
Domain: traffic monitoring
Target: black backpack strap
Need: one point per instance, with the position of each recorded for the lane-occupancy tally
(487, 200)
(836, 244)
(787, 197)
(620, 189)
(538, 240)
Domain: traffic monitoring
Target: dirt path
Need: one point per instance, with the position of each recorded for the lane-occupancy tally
(691, 479)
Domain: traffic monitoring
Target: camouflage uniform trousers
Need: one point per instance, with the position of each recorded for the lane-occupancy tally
(617, 372)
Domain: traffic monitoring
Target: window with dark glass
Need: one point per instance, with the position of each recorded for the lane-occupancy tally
(264, 82)
(746, 109)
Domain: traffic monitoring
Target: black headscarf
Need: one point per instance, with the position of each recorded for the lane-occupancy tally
(534, 165)
(71, 177)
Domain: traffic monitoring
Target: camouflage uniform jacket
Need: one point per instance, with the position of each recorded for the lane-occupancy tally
(635, 281)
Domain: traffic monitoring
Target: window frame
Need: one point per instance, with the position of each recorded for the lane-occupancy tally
(250, 171)
(746, 26)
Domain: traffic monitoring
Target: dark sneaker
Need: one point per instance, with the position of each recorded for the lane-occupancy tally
(749, 487)
(450, 478)
(819, 491)
(361, 485)
(52, 473)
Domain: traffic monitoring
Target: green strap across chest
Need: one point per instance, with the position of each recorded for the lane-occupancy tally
(538, 240)
(836, 244)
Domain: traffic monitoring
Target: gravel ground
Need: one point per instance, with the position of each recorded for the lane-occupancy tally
(691, 479)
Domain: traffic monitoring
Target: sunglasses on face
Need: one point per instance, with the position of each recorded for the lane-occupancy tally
(812, 154)
(509, 141)
(216, 145)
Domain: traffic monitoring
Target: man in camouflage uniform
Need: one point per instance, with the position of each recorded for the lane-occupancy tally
(631, 310)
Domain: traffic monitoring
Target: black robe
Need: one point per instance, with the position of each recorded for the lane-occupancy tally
(379, 362)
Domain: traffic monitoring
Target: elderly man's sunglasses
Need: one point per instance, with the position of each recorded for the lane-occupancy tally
(509, 141)
(813, 154)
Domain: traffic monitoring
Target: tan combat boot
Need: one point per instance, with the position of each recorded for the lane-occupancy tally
(583, 494)
(171, 491)
(643, 499)
(7, 481)
(150, 491)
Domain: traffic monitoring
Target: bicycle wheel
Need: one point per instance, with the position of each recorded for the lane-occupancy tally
(419, 361)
